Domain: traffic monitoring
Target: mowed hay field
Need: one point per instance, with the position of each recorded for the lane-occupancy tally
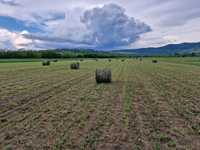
(147, 106)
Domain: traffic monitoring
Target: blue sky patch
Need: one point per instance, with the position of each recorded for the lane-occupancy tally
(14, 24)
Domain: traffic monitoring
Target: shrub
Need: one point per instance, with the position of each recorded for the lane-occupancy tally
(55, 60)
(75, 66)
(81, 60)
(154, 61)
(103, 76)
(46, 63)
(123, 60)
(109, 60)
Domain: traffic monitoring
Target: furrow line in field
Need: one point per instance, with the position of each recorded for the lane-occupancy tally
(41, 109)
(86, 136)
(13, 75)
(168, 120)
(141, 119)
(53, 88)
(187, 95)
(39, 84)
(116, 136)
(39, 81)
(186, 74)
(15, 78)
(182, 112)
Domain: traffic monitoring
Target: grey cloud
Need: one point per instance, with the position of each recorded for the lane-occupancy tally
(47, 38)
(9, 2)
(176, 12)
(46, 42)
(111, 27)
(102, 27)
(7, 44)
(49, 16)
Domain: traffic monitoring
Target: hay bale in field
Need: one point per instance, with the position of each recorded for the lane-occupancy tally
(46, 63)
(103, 76)
(154, 61)
(55, 60)
(75, 66)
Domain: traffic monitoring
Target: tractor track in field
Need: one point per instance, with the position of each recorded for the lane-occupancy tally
(183, 75)
(70, 112)
(188, 123)
(39, 84)
(73, 123)
(135, 125)
(150, 108)
(174, 65)
(29, 80)
(179, 86)
(93, 128)
(24, 80)
(20, 78)
(55, 88)
(141, 119)
(168, 119)
(61, 90)
(23, 119)
(9, 76)
(169, 80)
(81, 135)
(187, 74)
(27, 89)
(116, 136)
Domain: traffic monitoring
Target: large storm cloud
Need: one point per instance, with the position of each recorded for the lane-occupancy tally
(103, 27)
(111, 27)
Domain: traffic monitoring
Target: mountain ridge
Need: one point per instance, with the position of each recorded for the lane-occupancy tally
(170, 49)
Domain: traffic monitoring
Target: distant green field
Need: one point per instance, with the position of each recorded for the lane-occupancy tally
(18, 60)
(182, 60)
(147, 106)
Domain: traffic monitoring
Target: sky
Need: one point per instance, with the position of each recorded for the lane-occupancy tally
(97, 24)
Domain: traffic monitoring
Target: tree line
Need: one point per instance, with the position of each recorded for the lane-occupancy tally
(56, 54)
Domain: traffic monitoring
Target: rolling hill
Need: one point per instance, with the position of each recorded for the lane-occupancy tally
(171, 49)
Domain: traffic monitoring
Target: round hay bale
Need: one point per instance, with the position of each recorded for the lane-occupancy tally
(55, 60)
(46, 63)
(154, 61)
(103, 76)
(75, 66)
